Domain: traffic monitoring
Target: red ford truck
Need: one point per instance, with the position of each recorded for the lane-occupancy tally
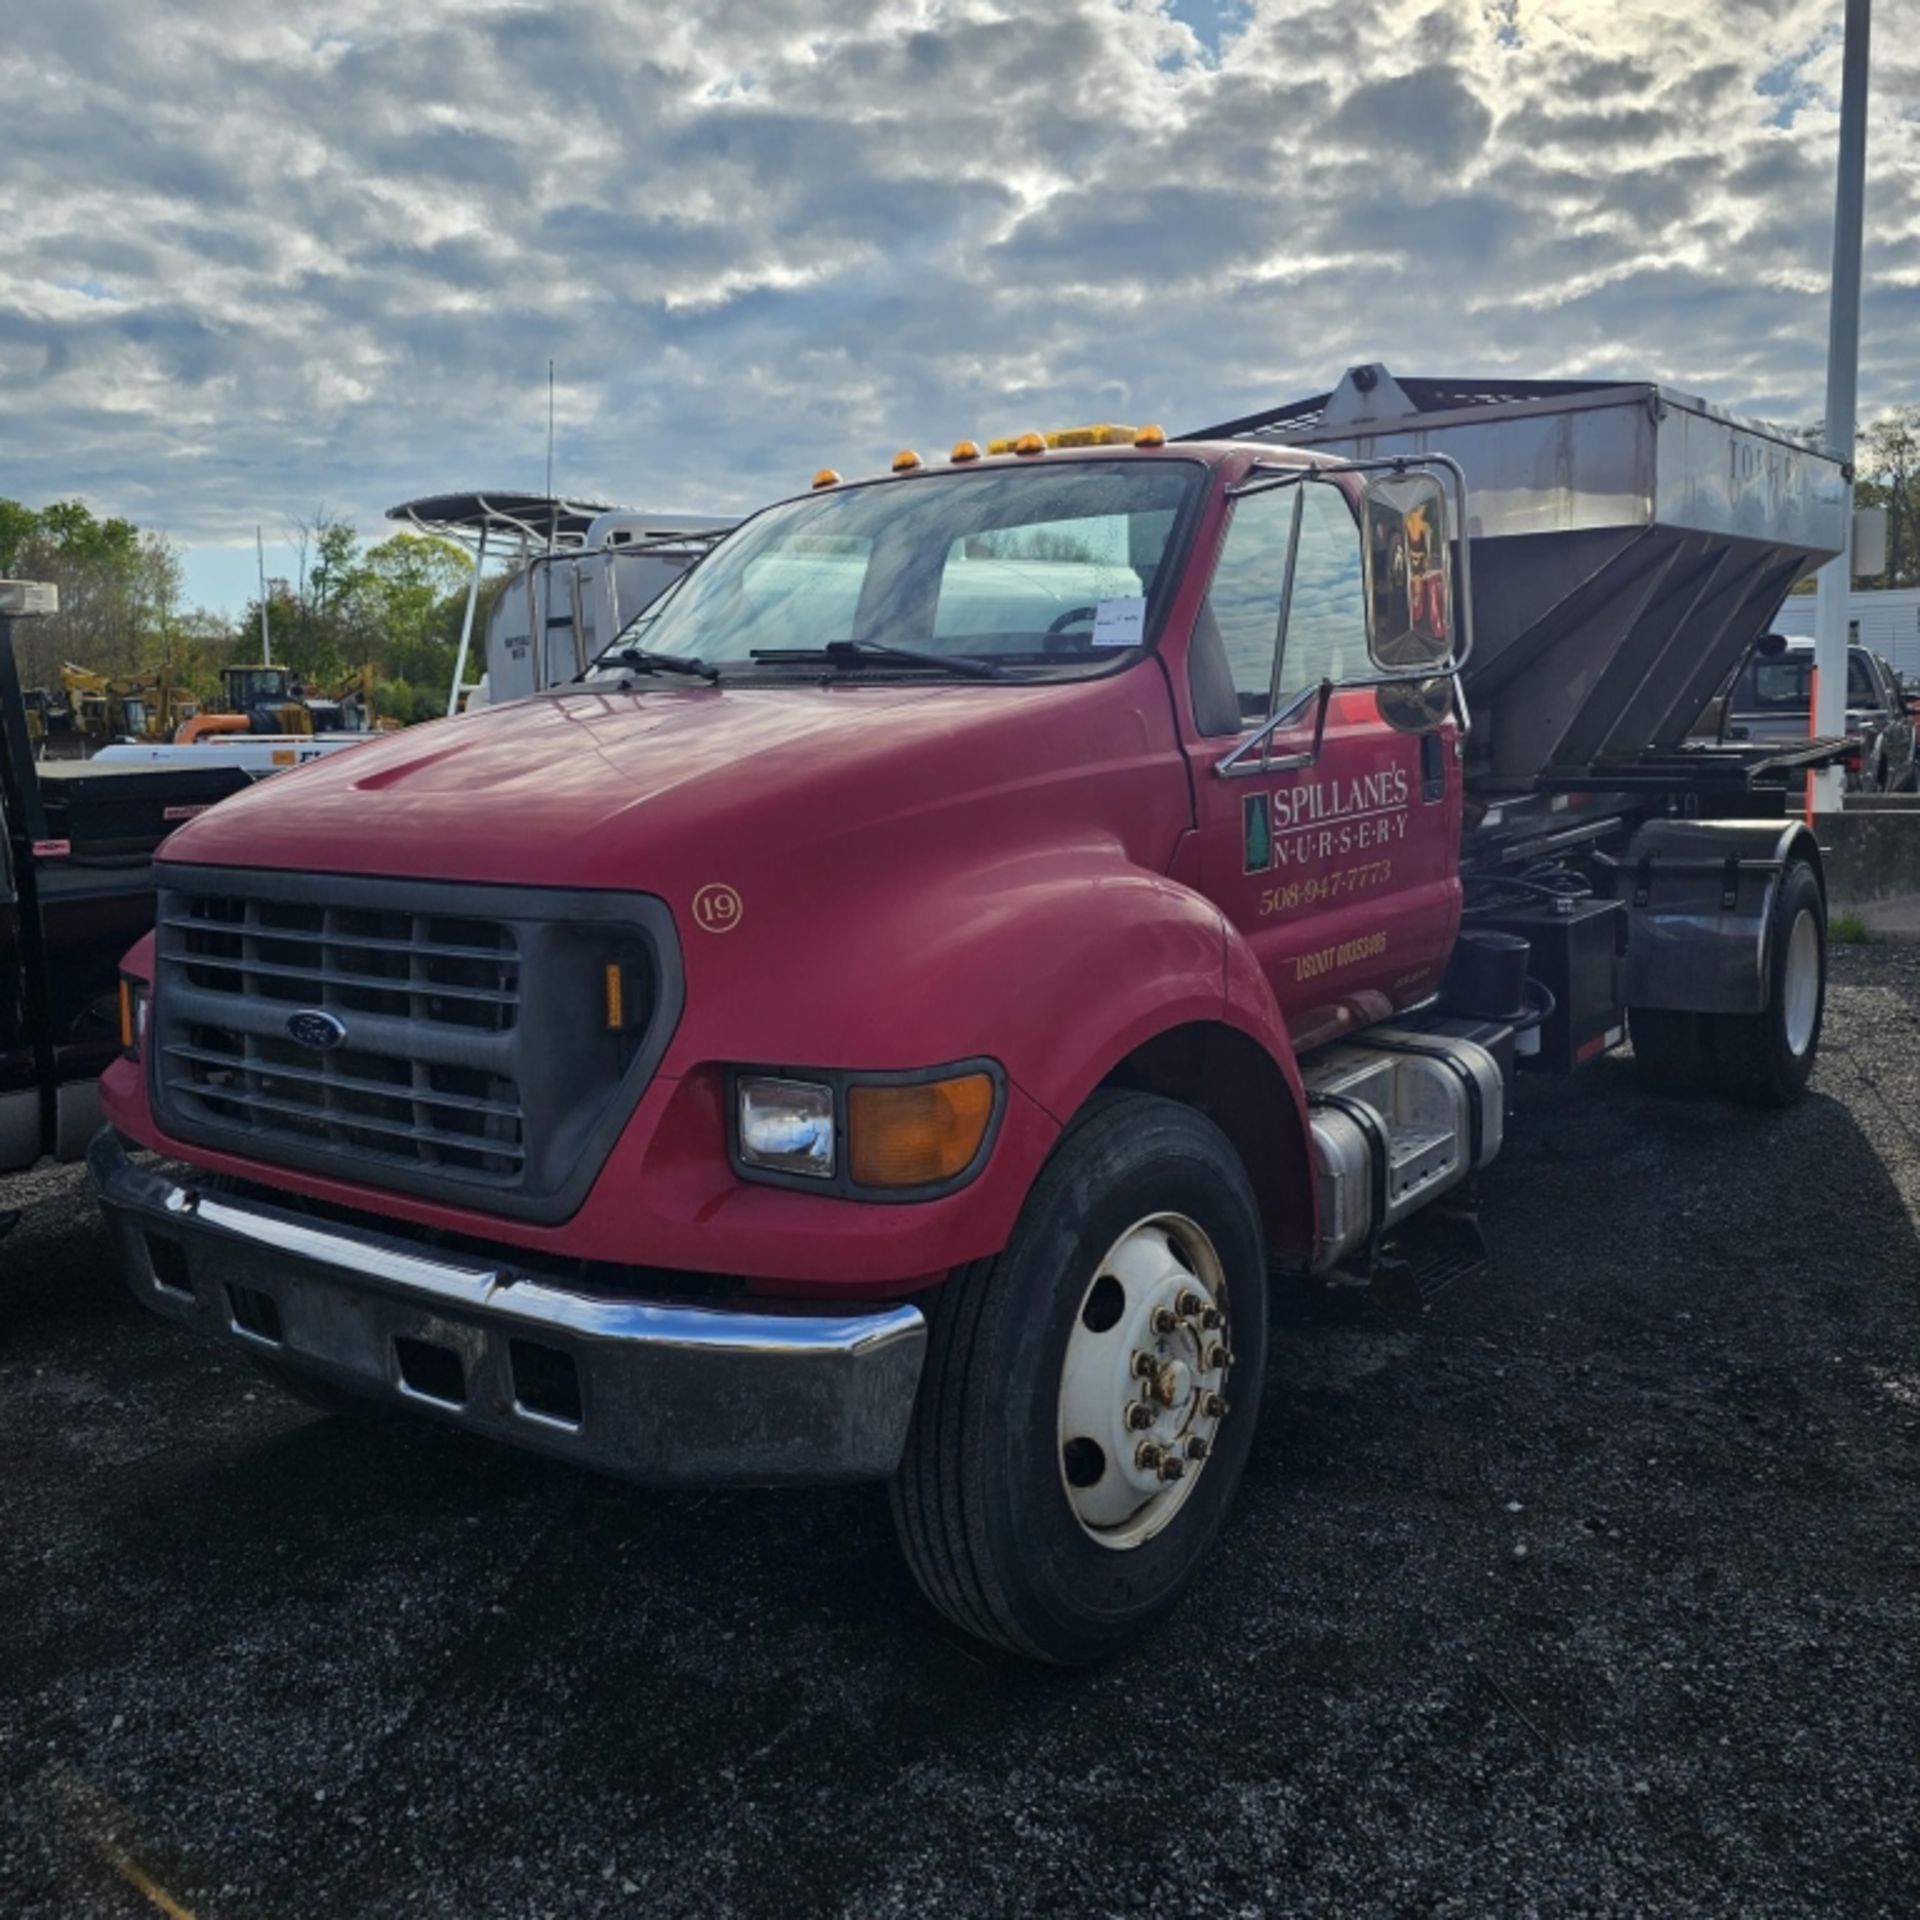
(896, 1015)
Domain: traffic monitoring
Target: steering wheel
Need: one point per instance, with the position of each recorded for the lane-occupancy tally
(1058, 625)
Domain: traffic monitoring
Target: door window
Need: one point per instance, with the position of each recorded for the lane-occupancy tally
(1326, 624)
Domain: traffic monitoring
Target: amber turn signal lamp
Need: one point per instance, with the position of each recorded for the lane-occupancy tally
(920, 1135)
(826, 477)
(134, 1002)
(905, 460)
(616, 998)
(966, 450)
(1150, 437)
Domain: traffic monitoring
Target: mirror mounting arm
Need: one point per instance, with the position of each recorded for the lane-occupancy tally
(1237, 762)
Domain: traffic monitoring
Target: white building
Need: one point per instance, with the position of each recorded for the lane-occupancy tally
(1887, 621)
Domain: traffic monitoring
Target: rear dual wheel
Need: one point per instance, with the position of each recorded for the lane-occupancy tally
(1090, 1396)
(1762, 1058)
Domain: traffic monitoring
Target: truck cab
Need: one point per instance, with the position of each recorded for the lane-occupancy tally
(892, 1015)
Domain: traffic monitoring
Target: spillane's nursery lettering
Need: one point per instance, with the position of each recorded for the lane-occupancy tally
(1324, 819)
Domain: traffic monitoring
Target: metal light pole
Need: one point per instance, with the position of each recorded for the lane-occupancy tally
(1835, 581)
(266, 635)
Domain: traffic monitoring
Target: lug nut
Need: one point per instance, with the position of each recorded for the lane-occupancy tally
(1172, 1467)
(1213, 1319)
(1196, 1446)
(1147, 1456)
(1214, 1406)
(1165, 1320)
(1190, 1304)
(1218, 1358)
(1139, 1416)
(1145, 1366)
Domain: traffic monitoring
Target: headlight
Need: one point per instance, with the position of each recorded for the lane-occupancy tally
(884, 1136)
(135, 997)
(786, 1126)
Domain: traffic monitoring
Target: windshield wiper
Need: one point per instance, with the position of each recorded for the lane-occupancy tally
(650, 662)
(852, 653)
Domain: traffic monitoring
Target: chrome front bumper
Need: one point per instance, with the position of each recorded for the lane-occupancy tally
(662, 1392)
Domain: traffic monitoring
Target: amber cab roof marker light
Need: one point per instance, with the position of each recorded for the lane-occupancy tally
(906, 460)
(964, 450)
(826, 477)
(1150, 437)
(1099, 436)
(1105, 435)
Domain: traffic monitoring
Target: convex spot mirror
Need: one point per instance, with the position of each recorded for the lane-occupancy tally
(1409, 578)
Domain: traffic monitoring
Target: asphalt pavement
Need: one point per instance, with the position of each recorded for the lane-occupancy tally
(1595, 1591)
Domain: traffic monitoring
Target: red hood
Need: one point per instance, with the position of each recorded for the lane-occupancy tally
(580, 788)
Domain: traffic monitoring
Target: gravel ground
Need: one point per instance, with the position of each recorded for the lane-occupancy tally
(1597, 1591)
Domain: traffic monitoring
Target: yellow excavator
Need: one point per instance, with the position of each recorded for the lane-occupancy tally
(125, 706)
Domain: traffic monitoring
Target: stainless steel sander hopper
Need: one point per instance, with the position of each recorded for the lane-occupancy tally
(1629, 544)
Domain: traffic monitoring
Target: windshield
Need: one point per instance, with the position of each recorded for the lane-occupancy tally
(1021, 566)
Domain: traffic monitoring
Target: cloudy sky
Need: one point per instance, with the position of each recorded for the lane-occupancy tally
(254, 257)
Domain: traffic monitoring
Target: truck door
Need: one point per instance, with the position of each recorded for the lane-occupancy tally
(1339, 867)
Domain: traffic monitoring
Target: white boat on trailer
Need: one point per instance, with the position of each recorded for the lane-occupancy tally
(580, 571)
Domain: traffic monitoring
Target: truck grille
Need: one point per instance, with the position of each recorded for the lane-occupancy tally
(405, 1034)
(420, 969)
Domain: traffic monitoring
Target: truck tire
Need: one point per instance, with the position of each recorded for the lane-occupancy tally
(1670, 1049)
(1073, 1451)
(1765, 1058)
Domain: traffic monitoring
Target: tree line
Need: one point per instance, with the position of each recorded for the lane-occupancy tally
(1887, 474)
(395, 607)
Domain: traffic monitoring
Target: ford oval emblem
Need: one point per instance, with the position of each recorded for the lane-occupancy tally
(312, 1028)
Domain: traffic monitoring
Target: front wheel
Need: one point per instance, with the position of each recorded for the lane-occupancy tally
(1090, 1396)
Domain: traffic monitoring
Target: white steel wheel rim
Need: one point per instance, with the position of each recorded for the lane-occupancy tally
(1143, 1381)
(1800, 990)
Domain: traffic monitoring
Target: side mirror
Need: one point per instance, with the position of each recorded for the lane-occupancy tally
(1409, 576)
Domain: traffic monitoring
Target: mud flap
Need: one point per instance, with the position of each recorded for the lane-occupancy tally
(1699, 896)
